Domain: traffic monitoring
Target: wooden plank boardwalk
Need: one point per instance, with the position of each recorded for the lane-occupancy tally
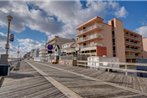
(28, 83)
(137, 83)
(88, 82)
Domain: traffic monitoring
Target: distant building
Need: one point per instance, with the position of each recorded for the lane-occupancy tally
(97, 38)
(36, 53)
(57, 43)
(32, 52)
(144, 47)
(43, 55)
(69, 48)
(27, 55)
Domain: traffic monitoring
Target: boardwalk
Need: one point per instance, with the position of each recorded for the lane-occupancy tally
(137, 83)
(51, 81)
(28, 83)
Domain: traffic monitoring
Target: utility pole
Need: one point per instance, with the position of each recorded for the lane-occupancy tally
(9, 18)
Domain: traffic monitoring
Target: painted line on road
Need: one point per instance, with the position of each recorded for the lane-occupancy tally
(82, 75)
(66, 91)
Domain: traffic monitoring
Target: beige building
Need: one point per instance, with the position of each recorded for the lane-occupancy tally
(43, 54)
(145, 47)
(57, 43)
(69, 48)
(133, 46)
(95, 37)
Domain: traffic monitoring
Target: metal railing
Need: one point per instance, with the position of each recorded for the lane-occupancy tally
(89, 28)
(67, 57)
(90, 37)
(125, 67)
(91, 45)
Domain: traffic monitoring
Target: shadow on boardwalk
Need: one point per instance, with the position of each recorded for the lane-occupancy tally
(18, 75)
(1, 81)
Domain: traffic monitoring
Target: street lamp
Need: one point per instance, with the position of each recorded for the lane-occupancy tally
(9, 18)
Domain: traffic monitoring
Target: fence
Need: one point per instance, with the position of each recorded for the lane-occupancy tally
(124, 67)
(82, 57)
(67, 57)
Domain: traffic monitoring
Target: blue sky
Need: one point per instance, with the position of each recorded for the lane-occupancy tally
(36, 22)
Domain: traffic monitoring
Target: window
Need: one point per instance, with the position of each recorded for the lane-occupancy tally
(84, 27)
(112, 22)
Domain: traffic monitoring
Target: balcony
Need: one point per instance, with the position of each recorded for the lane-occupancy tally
(133, 44)
(132, 56)
(133, 38)
(90, 28)
(91, 45)
(90, 37)
(133, 50)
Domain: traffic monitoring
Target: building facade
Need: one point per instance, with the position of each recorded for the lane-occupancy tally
(97, 38)
(43, 55)
(69, 48)
(145, 47)
(133, 46)
(57, 43)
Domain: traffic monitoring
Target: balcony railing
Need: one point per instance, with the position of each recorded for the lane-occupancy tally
(89, 28)
(92, 45)
(133, 38)
(133, 44)
(132, 56)
(90, 37)
(133, 50)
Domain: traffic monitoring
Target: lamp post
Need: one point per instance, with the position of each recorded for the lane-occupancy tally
(9, 18)
(18, 57)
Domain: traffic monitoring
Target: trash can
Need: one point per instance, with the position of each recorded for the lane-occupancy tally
(4, 69)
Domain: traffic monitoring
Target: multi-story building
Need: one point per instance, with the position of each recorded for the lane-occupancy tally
(145, 47)
(69, 48)
(57, 43)
(97, 38)
(133, 46)
(43, 54)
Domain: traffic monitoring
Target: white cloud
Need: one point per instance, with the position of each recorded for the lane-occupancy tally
(142, 30)
(28, 44)
(122, 12)
(72, 14)
(68, 14)
(2, 42)
(54, 17)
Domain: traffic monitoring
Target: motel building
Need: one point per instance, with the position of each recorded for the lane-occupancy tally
(145, 47)
(96, 38)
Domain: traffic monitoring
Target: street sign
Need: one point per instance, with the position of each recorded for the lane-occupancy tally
(7, 46)
(50, 47)
(11, 37)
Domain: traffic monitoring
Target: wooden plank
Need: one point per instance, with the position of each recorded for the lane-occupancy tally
(27, 86)
(118, 77)
(87, 77)
(62, 88)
